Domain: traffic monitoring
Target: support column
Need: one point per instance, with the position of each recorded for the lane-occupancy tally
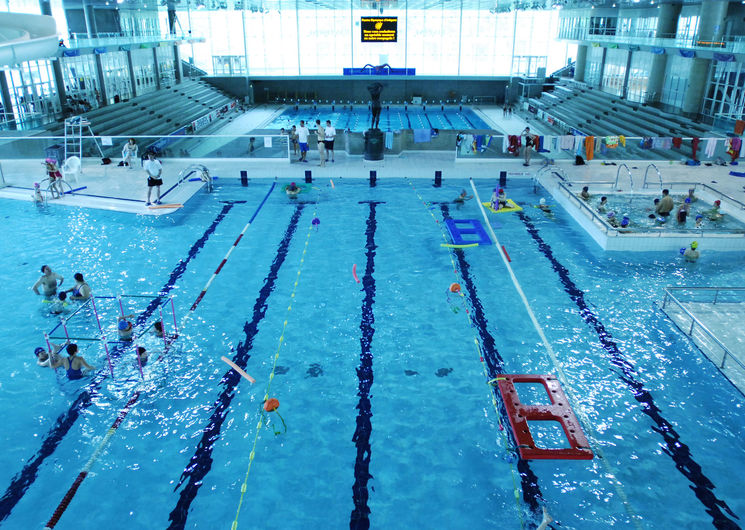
(625, 91)
(7, 101)
(710, 22)
(90, 20)
(667, 27)
(101, 81)
(131, 68)
(156, 68)
(667, 19)
(59, 79)
(602, 68)
(177, 63)
(696, 85)
(580, 63)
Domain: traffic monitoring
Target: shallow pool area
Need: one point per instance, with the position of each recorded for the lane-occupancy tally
(339, 305)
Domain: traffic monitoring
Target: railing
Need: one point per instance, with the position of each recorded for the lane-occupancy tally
(649, 38)
(696, 322)
(618, 174)
(646, 172)
(605, 227)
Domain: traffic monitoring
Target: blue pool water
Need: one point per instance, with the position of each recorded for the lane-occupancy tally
(394, 118)
(389, 416)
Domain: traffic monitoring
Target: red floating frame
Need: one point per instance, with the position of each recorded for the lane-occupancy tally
(519, 414)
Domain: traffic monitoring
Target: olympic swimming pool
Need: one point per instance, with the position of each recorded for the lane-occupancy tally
(392, 118)
(390, 420)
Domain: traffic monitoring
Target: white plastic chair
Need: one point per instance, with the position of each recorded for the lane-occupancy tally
(71, 169)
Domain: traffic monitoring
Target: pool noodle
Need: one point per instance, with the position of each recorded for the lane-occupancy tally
(354, 273)
(332, 183)
(173, 206)
(468, 245)
(238, 369)
(199, 178)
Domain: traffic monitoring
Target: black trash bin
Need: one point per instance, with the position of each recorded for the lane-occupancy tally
(56, 152)
(374, 144)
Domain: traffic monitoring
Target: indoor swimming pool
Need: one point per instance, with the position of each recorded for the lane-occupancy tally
(338, 304)
(357, 118)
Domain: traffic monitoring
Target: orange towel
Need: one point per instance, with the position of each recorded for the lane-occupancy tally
(589, 147)
(739, 126)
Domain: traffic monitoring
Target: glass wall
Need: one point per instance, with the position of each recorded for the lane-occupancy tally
(81, 82)
(725, 95)
(614, 71)
(116, 76)
(32, 91)
(143, 64)
(674, 88)
(641, 66)
(594, 66)
(315, 40)
(166, 64)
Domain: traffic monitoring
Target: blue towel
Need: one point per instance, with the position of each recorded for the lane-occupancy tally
(422, 135)
(737, 173)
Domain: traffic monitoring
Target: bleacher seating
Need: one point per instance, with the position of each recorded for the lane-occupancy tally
(156, 113)
(597, 113)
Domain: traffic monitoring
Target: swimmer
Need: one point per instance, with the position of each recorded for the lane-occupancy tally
(625, 221)
(37, 196)
(691, 254)
(691, 196)
(81, 290)
(612, 220)
(666, 204)
(42, 355)
(683, 211)
(48, 281)
(292, 190)
(124, 327)
(158, 331)
(498, 199)
(73, 364)
(652, 215)
(463, 197)
(585, 193)
(547, 519)
(59, 304)
(143, 355)
(699, 220)
(543, 206)
(714, 214)
(603, 205)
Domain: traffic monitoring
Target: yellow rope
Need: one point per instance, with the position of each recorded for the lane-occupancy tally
(260, 424)
(514, 472)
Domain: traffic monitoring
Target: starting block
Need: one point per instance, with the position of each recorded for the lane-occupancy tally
(472, 227)
(559, 411)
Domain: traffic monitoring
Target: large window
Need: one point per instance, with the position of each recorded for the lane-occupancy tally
(725, 95)
(287, 41)
(641, 66)
(614, 72)
(674, 88)
(594, 66)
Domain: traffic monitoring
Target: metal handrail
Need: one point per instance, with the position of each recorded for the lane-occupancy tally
(706, 330)
(582, 204)
(618, 173)
(659, 175)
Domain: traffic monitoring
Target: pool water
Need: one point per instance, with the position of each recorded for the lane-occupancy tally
(640, 207)
(390, 420)
(393, 118)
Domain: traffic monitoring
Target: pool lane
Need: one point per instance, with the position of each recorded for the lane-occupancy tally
(201, 461)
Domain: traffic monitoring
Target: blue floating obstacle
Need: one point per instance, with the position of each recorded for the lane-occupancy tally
(467, 227)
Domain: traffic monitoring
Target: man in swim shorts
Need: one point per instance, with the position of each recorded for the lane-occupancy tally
(48, 281)
(666, 204)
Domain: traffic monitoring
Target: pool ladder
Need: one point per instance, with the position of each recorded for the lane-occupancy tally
(659, 175)
(553, 170)
(618, 174)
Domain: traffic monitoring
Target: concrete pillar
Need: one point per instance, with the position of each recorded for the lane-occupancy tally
(580, 63)
(101, 81)
(131, 68)
(667, 20)
(156, 68)
(90, 20)
(177, 64)
(697, 81)
(7, 100)
(711, 20)
(625, 91)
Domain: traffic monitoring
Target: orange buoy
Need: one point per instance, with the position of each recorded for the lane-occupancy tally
(454, 288)
(271, 404)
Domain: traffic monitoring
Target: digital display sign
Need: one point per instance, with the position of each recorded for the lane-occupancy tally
(379, 29)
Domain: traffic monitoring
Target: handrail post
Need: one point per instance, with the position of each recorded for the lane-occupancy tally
(690, 332)
(716, 295)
